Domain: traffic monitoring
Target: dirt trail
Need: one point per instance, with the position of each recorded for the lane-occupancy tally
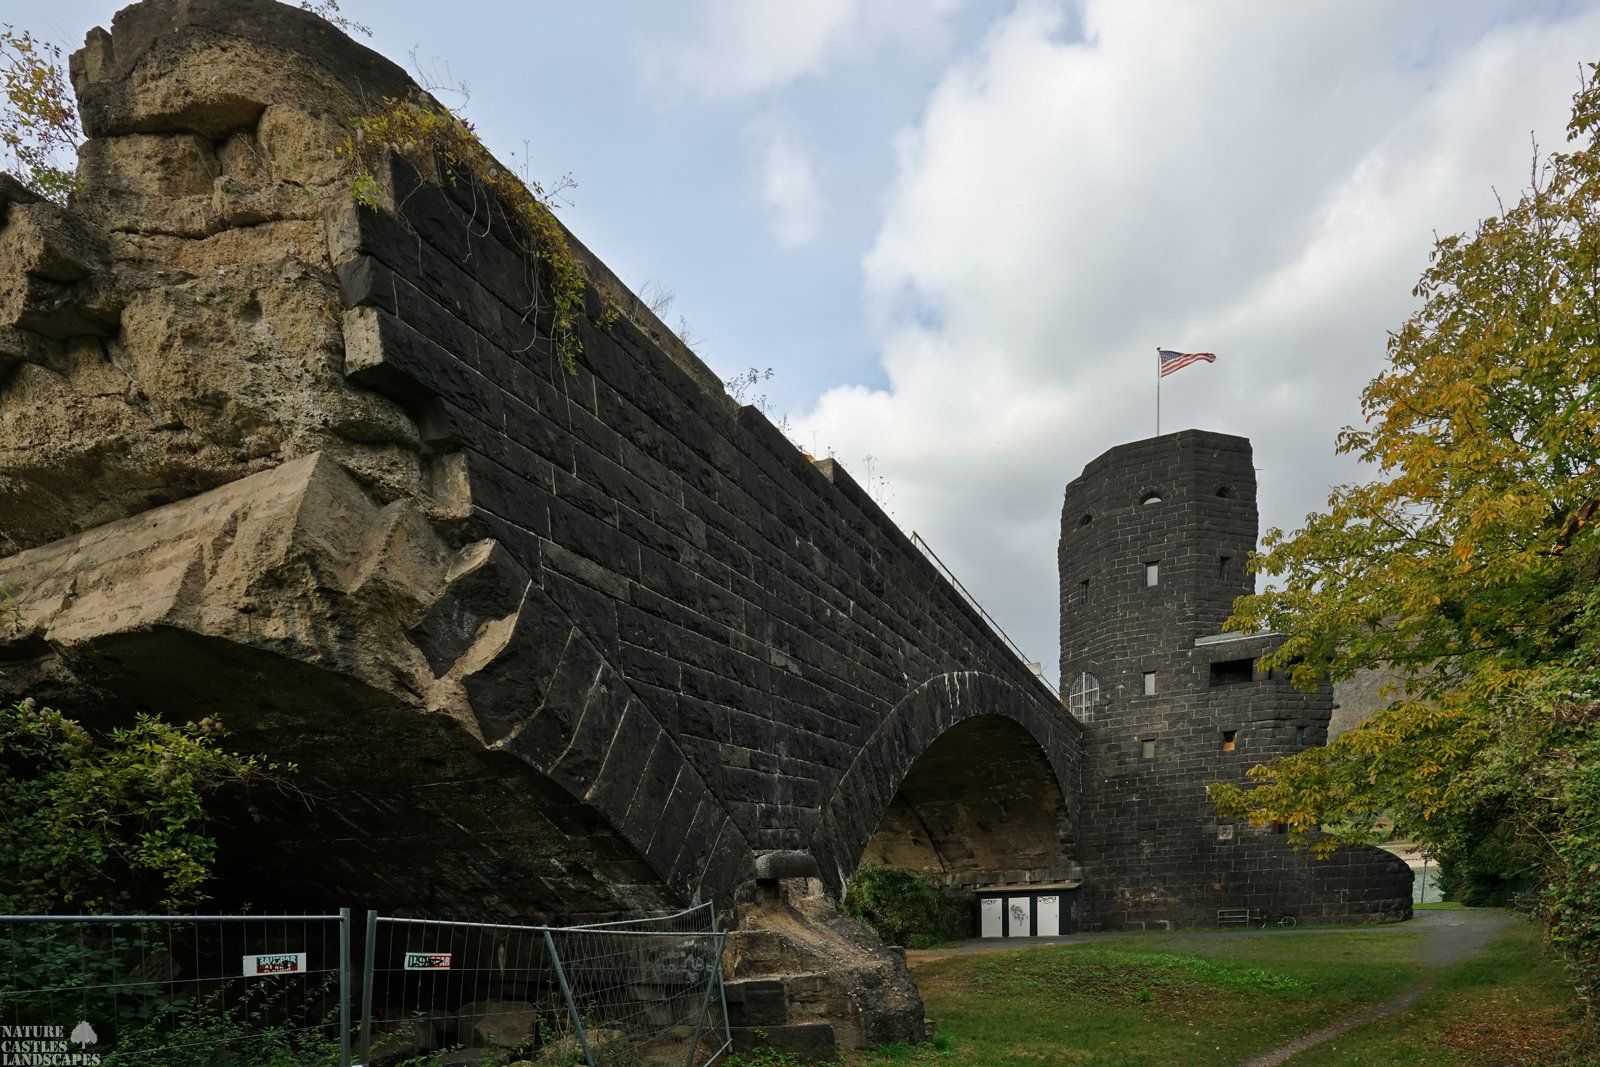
(1451, 937)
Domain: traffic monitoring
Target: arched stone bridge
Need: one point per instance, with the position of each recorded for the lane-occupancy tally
(559, 638)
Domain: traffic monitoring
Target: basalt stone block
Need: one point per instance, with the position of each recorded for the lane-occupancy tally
(786, 863)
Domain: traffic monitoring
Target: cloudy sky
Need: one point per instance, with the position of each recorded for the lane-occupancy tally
(956, 230)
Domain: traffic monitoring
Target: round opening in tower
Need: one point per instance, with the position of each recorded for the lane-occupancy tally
(980, 805)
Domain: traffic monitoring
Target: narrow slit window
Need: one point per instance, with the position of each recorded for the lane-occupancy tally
(1147, 748)
(1299, 736)
(1230, 740)
(1222, 565)
(1152, 573)
(1149, 683)
(1083, 589)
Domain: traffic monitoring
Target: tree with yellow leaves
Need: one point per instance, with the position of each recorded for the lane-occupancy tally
(1469, 564)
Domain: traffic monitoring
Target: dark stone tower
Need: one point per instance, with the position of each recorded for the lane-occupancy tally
(1154, 538)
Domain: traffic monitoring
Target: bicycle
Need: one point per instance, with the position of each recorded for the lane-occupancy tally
(1283, 922)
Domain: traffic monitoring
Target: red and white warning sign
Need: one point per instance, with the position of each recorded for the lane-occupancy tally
(275, 963)
(427, 961)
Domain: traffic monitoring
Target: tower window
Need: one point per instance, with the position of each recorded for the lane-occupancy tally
(1149, 683)
(1086, 520)
(1222, 565)
(1151, 496)
(1152, 573)
(1233, 672)
(1230, 740)
(1225, 492)
(1147, 748)
(1085, 694)
(1299, 736)
(1083, 589)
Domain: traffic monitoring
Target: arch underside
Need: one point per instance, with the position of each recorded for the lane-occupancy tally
(386, 808)
(968, 775)
(980, 804)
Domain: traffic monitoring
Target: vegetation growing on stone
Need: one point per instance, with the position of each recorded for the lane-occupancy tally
(1471, 563)
(444, 146)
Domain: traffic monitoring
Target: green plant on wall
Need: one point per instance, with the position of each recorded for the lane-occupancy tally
(441, 144)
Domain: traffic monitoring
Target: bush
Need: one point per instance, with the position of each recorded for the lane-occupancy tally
(108, 822)
(904, 907)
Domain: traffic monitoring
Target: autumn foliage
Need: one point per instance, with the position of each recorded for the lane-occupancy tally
(1469, 564)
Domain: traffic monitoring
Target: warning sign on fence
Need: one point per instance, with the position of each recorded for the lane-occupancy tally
(275, 963)
(427, 961)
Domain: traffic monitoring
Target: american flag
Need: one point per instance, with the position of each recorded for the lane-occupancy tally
(1175, 361)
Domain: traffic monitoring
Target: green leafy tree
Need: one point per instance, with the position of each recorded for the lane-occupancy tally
(1469, 564)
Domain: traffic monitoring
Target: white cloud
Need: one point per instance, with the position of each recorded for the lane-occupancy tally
(1258, 180)
(789, 185)
(750, 46)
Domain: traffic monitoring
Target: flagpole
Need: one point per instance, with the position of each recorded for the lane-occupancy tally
(1158, 391)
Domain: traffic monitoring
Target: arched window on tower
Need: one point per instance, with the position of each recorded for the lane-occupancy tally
(1084, 695)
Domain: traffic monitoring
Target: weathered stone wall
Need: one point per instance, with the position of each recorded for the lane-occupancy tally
(319, 468)
(1153, 849)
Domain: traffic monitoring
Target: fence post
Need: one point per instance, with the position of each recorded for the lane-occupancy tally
(566, 991)
(369, 963)
(344, 987)
(705, 1002)
(722, 990)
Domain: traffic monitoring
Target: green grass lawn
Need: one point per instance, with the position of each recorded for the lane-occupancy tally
(1508, 1005)
(1198, 998)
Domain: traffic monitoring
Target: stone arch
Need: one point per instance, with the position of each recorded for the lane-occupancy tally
(932, 710)
(541, 687)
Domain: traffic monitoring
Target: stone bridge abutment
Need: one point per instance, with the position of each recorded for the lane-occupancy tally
(319, 464)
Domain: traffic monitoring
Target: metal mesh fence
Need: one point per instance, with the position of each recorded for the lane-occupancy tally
(274, 991)
(181, 991)
(623, 994)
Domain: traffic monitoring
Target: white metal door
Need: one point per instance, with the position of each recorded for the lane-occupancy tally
(990, 909)
(1018, 911)
(1049, 916)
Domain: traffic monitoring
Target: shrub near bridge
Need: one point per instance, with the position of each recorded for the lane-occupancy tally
(904, 907)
